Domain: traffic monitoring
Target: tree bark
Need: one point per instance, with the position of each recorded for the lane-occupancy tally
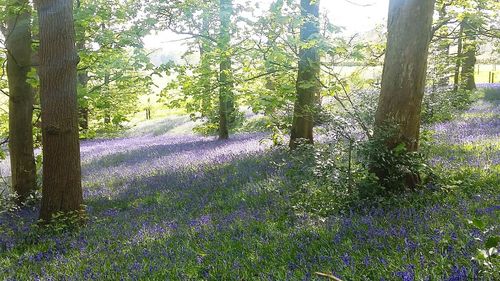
(307, 85)
(206, 68)
(226, 95)
(21, 99)
(468, 81)
(62, 189)
(404, 76)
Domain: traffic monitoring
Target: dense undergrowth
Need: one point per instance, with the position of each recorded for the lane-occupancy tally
(190, 208)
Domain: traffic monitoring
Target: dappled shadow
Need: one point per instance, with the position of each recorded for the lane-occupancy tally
(492, 93)
(148, 157)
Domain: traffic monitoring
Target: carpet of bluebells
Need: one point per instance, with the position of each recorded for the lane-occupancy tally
(169, 207)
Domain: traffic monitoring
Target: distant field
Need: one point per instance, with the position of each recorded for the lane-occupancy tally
(483, 71)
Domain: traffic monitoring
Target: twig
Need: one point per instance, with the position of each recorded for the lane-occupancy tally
(328, 276)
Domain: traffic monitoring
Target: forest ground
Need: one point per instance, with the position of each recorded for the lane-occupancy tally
(177, 207)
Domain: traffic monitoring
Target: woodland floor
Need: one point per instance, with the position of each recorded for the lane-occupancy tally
(171, 207)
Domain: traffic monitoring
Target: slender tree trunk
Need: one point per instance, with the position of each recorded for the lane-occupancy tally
(226, 95)
(62, 189)
(83, 108)
(206, 68)
(444, 80)
(404, 76)
(83, 78)
(273, 34)
(458, 62)
(107, 115)
(307, 79)
(18, 43)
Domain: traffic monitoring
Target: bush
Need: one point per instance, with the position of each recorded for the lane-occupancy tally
(442, 104)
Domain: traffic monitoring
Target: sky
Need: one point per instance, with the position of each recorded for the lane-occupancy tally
(356, 16)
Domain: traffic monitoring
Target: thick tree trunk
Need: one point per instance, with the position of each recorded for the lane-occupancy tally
(307, 86)
(226, 95)
(468, 81)
(18, 43)
(404, 75)
(62, 189)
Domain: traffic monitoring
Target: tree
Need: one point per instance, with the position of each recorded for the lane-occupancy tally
(206, 87)
(17, 32)
(403, 78)
(114, 67)
(62, 189)
(226, 94)
(469, 63)
(308, 74)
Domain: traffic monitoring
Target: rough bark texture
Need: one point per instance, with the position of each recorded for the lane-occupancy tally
(18, 43)
(62, 190)
(307, 80)
(404, 74)
(226, 95)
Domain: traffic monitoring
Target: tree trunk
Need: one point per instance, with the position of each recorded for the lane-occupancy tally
(62, 189)
(83, 76)
(273, 34)
(18, 43)
(206, 68)
(404, 76)
(443, 48)
(458, 62)
(226, 95)
(307, 86)
(468, 81)
(107, 115)
(83, 108)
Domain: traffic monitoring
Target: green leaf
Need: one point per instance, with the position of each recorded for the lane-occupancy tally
(478, 223)
(492, 242)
